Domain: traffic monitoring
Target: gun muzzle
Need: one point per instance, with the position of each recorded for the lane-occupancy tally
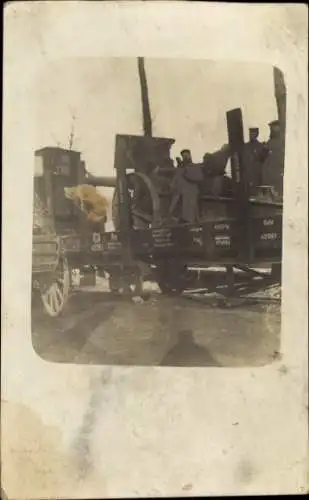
(93, 180)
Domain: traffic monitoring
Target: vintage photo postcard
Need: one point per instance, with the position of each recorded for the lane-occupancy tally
(155, 250)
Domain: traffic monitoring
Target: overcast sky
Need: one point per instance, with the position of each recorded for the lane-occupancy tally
(188, 100)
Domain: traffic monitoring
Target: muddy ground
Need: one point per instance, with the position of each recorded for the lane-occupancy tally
(96, 328)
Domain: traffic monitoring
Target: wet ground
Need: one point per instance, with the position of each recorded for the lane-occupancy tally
(97, 328)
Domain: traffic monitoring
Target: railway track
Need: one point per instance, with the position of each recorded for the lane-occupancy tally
(233, 301)
(201, 296)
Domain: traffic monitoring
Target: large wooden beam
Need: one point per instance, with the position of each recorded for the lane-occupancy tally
(147, 122)
(240, 184)
(124, 206)
(236, 143)
(280, 96)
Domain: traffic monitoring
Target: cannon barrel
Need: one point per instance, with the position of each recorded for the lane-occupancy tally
(93, 180)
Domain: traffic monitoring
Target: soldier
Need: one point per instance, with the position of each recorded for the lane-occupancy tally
(272, 172)
(185, 189)
(186, 157)
(255, 153)
(274, 129)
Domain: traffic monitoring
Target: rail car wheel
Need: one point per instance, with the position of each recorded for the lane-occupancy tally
(169, 288)
(173, 278)
(56, 295)
(126, 282)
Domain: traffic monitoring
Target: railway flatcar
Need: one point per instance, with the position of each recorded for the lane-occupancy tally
(172, 224)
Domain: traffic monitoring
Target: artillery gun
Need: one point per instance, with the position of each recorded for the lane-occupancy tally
(233, 231)
(174, 236)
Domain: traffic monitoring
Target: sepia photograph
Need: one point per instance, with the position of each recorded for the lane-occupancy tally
(155, 250)
(157, 212)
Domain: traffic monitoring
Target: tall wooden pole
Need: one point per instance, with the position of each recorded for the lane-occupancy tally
(280, 96)
(147, 123)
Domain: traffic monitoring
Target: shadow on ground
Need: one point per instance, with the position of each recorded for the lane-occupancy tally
(99, 329)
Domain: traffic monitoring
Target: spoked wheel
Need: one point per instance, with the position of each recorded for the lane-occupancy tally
(145, 202)
(56, 295)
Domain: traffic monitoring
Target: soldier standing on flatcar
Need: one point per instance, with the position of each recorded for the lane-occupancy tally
(259, 149)
(186, 157)
(274, 130)
(185, 189)
(272, 172)
(255, 154)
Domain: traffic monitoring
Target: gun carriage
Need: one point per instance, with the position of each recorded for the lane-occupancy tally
(176, 224)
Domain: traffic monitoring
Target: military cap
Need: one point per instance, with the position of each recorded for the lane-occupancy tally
(274, 123)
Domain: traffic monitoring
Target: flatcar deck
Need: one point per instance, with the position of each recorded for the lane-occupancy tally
(210, 243)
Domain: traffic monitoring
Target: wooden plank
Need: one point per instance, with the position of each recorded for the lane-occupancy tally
(125, 218)
(240, 187)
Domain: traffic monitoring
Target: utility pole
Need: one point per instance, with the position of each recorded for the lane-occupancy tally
(147, 122)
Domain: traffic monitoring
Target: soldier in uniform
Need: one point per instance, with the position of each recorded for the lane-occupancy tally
(186, 157)
(272, 172)
(255, 153)
(185, 189)
(274, 129)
